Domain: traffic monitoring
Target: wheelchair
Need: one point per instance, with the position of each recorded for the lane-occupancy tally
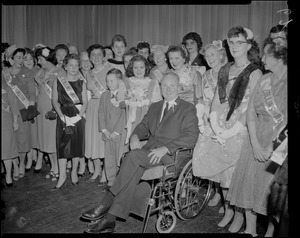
(172, 193)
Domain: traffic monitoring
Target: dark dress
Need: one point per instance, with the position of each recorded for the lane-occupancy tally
(70, 142)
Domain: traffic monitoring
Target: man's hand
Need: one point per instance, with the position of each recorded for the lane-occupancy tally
(134, 142)
(157, 154)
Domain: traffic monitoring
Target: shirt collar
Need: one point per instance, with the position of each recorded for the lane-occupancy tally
(172, 103)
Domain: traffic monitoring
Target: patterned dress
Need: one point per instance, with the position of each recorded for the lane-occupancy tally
(9, 147)
(212, 160)
(25, 81)
(251, 180)
(140, 94)
(190, 84)
(70, 142)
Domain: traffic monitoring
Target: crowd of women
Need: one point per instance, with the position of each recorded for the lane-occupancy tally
(79, 108)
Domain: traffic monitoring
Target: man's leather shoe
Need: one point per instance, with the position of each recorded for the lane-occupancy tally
(95, 213)
(101, 226)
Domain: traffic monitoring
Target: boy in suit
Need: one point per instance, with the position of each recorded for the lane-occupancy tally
(170, 124)
(111, 123)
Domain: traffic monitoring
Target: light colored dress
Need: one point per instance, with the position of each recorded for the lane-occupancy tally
(212, 160)
(140, 94)
(251, 180)
(94, 145)
(34, 129)
(9, 147)
(25, 81)
(190, 84)
(46, 127)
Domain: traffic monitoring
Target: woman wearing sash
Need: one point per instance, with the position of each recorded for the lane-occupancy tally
(9, 126)
(215, 56)
(47, 123)
(217, 150)
(160, 59)
(266, 115)
(69, 99)
(30, 63)
(21, 81)
(96, 83)
(190, 78)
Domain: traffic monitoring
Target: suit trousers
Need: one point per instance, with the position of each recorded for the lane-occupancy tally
(131, 171)
(111, 159)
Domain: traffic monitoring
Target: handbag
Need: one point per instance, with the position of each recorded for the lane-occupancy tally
(51, 115)
(24, 114)
(32, 112)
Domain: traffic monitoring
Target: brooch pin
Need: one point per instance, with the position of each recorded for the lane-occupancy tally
(23, 75)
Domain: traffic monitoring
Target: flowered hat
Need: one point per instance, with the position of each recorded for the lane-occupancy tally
(159, 48)
(8, 53)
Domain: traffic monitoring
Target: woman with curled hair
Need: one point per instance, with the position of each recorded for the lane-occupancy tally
(31, 63)
(266, 117)
(21, 81)
(61, 51)
(218, 150)
(279, 35)
(96, 84)
(193, 42)
(46, 126)
(69, 99)
(190, 79)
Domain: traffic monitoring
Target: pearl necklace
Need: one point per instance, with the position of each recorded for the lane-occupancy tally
(242, 66)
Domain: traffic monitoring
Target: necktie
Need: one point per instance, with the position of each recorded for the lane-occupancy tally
(166, 110)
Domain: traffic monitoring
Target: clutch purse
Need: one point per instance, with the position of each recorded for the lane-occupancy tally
(32, 112)
(24, 114)
(51, 115)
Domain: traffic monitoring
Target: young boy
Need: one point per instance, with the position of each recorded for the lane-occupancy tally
(112, 123)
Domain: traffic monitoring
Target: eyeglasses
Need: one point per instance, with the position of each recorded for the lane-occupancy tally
(237, 44)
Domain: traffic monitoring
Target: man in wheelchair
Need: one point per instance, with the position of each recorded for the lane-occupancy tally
(170, 124)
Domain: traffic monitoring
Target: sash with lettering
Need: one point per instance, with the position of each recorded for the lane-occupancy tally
(269, 101)
(100, 88)
(5, 106)
(69, 89)
(41, 79)
(15, 88)
(209, 79)
(280, 146)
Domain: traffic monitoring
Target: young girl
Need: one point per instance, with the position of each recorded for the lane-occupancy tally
(215, 56)
(112, 122)
(141, 92)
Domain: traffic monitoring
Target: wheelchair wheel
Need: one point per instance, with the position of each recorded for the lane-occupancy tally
(166, 222)
(191, 193)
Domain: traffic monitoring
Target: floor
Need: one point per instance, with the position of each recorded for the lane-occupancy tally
(30, 207)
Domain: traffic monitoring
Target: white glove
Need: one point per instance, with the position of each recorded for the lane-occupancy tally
(214, 125)
(75, 119)
(68, 121)
(200, 112)
(237, 127)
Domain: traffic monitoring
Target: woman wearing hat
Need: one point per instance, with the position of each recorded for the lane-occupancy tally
(21, 81)
(158, 52)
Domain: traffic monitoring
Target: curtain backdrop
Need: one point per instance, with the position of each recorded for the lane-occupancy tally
(83, 25)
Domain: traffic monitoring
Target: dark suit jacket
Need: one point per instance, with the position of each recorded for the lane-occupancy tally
(178, 128)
